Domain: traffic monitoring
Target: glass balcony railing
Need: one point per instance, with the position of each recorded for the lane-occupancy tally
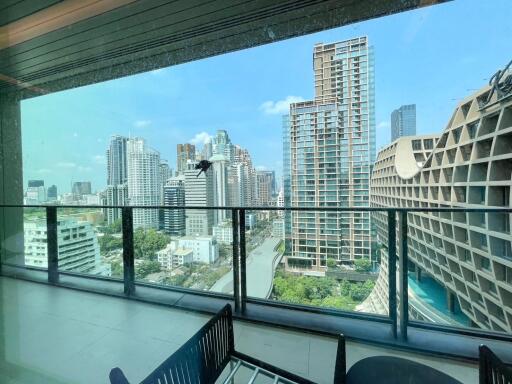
(413, 267)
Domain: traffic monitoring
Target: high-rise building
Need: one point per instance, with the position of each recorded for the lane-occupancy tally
(468, 254)
(174, 196)
(80, 188)
(143, 182)
(403, 121)
(115, 195)
(51, 193)
(35, 183)
(117, 166)
(219, 169)
(72, 236)
(207, 151)
(221, 145)
(165, 174)
(332, 149)
(264, 187)
(184, 154)
(199, 192)
(35, 195)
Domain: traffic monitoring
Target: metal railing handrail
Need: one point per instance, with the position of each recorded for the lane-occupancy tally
(273, 208)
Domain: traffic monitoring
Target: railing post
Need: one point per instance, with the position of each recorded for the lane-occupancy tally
(404, 283)
(236, 261)
(392, 270)
(243, 277)
(128, 258)
(52, 245)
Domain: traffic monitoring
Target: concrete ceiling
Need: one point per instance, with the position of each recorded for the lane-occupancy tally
(51, 45)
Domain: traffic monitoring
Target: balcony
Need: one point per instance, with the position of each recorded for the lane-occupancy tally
(47, 306)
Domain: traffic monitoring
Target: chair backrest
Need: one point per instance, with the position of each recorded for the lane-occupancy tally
(201, 359)
(491, 369)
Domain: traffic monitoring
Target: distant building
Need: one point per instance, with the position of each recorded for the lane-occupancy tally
(223, 232)
(184, 154)
(250, 221)
(51, 194)
(115, 195)
(278, 228)
(199, 193)
(72, 236)
(91, 199)
(35, 183)
(117, 165)
(220, 186)
(80, 188)
(35, 195)
(221, 145)
(264, 187)
(172, 257)
(205, 248)
(143, 182)
(403, 121)
(174, 196)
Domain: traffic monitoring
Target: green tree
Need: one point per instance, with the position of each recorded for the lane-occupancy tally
(115, 227)
(146, 268)
(363, 265)
(109, 243)
(331, 263)
(147, 242)
(116, 269)
(360, 291)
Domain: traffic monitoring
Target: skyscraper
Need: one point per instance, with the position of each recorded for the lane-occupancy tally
(115, 195)
(264, 187)
(174, 196)
(332, 149)
(117, 167)
(221, 145)
(81, 188)
(403, 121)
(35, 183)
(52, 193)
(220, 186)
(199, 193)
(184, 154)
(143, 181)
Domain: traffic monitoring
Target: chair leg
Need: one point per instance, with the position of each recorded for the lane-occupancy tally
(340, 369)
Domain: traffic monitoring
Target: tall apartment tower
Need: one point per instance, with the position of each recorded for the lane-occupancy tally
(264, 187)
(81, 188)
(143, 182)
(184, 154)
(199, 193)
(403, 121)
(174, 196)
(52, 193)
(221, 145)
(220, 186)
(117, 167)
(332, 149)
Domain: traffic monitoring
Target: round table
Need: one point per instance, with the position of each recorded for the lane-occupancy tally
(395, 370)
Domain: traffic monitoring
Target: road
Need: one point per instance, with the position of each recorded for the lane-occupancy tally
(260, 267)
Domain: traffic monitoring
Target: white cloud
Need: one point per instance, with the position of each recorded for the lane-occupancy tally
(201, 138)
(261, 168)
(66, 164)
(142, 123)
(99, 159)
(279, 107)
(84, 169)
(44, 171)
(383, 125)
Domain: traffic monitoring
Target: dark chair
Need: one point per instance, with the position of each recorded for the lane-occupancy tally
(204, 357)
(386, 370)
(491, 369)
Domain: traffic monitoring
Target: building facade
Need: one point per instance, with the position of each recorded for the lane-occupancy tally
(80, 188)
(174, 196)
(78, 246)
(403, 121)
(184, 154)
(469, 165)
(199, 192)
(117, 165)
(264, 187)
(221, 145)
(331, 151)
(143, 182)
(52, 193)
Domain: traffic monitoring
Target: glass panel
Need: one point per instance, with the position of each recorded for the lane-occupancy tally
(315, 263)
(188, 258)
(25, 242)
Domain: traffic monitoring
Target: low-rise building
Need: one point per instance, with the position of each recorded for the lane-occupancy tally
(278, 228)
(172, 256)
(205, 248)
(223, 233)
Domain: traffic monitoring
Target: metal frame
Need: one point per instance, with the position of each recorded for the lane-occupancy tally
(398, 317)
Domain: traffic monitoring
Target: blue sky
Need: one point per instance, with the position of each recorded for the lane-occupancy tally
(433, 57)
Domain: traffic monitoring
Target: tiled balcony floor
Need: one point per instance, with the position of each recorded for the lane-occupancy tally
(59, 335)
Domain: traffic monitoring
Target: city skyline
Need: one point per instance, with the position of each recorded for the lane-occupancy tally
(255, 85)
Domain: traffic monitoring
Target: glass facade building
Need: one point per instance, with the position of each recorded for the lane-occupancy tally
(403, 121)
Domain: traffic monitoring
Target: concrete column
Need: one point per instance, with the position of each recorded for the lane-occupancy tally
(11, 181)
(450, 301)
(418, 274)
